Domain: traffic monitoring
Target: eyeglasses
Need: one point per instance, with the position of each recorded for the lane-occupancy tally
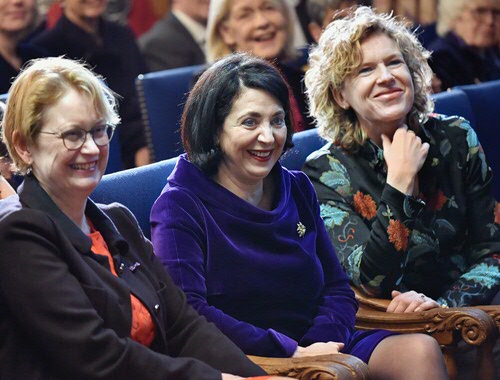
(74, 139)
(483, 12)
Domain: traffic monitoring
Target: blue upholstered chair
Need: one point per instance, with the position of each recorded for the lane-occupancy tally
(136, 188)
(162, 95)
(485, 101)
(305, 142)
(454, 102)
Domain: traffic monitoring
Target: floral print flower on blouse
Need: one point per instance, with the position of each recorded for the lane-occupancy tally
(445, 243)
(398, 234)
(364, 205)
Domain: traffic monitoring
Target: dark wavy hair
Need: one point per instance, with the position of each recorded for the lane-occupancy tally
(212, 97)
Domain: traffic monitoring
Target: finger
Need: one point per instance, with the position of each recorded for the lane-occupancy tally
(386, 142)
(395, 293)
(427, 306)
(392, 306)
(402, 306)
(413, 306)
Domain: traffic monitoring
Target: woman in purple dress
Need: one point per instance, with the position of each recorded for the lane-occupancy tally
(243, 237)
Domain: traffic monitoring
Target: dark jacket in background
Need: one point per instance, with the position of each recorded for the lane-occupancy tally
(456, 63)
(168, 44)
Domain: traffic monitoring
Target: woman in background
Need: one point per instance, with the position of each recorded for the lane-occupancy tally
(110, 48)
(17, 19)
(262, 28)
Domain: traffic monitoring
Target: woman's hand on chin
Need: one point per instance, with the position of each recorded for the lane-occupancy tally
(404, 156)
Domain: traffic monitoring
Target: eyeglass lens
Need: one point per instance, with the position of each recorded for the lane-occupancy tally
(75, 138)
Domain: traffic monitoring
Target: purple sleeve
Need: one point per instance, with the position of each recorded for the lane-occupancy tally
(179, 235)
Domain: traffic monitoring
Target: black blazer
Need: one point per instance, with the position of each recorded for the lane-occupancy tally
(168, 44)
(63, 314)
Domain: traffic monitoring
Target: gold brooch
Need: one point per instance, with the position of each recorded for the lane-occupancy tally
(301, 229)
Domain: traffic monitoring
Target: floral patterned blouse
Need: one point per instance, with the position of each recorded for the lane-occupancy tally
(444, 243)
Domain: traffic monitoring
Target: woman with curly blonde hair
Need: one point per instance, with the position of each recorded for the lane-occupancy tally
(405, 193)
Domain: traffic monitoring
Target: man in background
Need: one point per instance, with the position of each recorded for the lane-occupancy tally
(177, 39)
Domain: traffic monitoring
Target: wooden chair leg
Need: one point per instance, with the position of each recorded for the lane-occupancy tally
(449, 361)
(485, 367)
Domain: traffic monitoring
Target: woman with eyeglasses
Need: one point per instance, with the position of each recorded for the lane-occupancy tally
(82, 295)
(466, 50)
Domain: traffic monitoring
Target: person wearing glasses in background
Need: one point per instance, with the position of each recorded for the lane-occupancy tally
(466, 50)
(82, 293)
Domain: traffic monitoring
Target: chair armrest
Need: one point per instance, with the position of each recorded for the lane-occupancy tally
(493, 311)
(323, 367)
(472, 324)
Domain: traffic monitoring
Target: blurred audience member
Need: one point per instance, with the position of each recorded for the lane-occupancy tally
(265, 29)
(110, 48)
(466, 50)
(17, 18)
(321, 12)
(178, 39)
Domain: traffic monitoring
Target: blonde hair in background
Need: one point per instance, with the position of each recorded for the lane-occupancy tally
(219, 11)
(448, 11)
(338, 54)
(41, 84)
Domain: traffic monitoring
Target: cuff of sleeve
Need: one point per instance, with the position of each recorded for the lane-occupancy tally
(402, 205)
(287, 345)
(331, 333)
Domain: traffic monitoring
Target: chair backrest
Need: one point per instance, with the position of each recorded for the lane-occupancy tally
(305, 143)
(485, 101)
(136, 188)
(162, 95)
(454, 102)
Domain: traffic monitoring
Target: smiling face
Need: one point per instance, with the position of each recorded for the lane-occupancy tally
(16, 15)
(68, 174)
(252, 138)
(479, 22)
(257, 27)
(380, 90)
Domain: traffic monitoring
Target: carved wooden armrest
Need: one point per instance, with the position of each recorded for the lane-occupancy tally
(493, 311)
(323, 367)
(473, 325)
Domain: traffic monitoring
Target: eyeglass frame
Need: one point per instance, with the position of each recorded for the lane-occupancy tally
(90, 132)
(481, 12)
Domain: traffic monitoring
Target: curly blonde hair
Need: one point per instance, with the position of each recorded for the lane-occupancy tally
(41, 84)
(219, 12)
(338, 54)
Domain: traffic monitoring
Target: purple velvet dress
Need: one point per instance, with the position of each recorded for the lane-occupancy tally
(270, 280)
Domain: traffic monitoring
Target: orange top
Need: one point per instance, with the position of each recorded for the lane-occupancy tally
(143, 329)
